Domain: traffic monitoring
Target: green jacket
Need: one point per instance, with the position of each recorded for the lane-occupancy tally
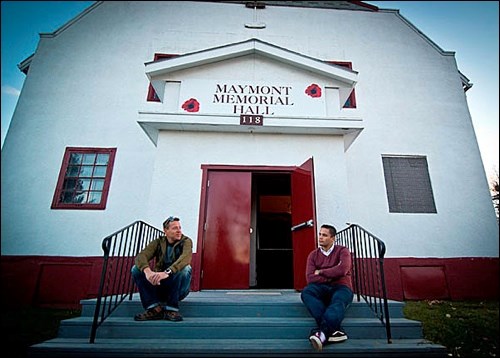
(156, 249)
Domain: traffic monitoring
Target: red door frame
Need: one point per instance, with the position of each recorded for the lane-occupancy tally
(196, 284)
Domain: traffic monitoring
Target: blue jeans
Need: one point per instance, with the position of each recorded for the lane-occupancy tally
(327, 304)
(168, 293)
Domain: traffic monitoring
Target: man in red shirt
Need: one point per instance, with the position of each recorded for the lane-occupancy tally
(328, 293)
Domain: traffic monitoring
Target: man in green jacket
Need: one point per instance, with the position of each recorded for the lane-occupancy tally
(162, 288)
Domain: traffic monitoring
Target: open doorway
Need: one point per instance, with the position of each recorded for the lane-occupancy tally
(272, 254)
(245, 237)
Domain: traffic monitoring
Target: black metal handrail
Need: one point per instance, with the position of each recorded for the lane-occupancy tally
(368, 270)
(120, 250)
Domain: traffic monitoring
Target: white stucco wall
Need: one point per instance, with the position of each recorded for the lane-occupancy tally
(177, 179)
(87, 84)
(417, 106)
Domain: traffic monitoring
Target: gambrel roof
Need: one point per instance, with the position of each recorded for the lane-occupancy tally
(339, 5)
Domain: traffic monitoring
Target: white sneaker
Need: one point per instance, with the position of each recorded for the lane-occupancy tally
(316, 341)
(337, 336)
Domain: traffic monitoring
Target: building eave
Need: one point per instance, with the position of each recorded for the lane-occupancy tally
(248, 47)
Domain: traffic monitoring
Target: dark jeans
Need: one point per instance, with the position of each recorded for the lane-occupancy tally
(168, 293)
(327, 304)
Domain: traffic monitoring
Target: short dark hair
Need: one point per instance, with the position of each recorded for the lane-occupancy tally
(330, 228)
(169, 220)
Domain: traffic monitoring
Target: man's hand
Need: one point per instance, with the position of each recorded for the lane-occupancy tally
(317, 272)
(154, 277)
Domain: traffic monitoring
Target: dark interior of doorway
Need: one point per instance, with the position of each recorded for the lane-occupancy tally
(274, 256)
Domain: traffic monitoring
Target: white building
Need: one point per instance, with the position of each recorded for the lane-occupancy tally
(246, 93)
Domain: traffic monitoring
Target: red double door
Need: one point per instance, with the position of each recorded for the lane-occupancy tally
(227, 229)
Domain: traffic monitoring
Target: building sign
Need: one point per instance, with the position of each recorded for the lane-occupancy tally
(252, 98)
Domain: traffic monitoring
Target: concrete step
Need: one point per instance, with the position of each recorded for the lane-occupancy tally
(234, 324)
(230, 304)
(234, 328)
(197, 347)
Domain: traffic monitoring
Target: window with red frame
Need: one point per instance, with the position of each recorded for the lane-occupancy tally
(152, 96)
(84, 179)
(351, 101)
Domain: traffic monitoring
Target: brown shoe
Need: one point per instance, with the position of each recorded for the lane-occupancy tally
(150, 314)
(173, 316)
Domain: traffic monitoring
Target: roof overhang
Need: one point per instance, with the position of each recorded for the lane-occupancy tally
(249, 47)
(152, 123)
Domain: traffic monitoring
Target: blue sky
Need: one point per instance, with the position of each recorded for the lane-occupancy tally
(469, 28)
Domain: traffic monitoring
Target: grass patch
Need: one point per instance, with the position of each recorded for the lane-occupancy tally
(465, 328)
(25, 326)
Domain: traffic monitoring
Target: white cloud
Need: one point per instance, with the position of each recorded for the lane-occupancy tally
(10, 90)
